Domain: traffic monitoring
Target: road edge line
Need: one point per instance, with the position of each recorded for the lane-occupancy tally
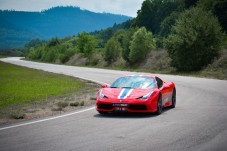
(47, 119)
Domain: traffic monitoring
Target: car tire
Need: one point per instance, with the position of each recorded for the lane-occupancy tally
(173, 99)
(159, 106)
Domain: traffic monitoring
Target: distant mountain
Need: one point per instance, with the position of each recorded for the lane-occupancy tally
(17, 28)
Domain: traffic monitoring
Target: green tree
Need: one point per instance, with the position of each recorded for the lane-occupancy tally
(153, 12)
(126, 43)
(49, 55)
(168, 23)
(218, 8)
(86, 44)
(105, 35)
(195, 40)
(190, 3)
(112, 50)
(53, 42)
(34, 43)
(119, 35)
(142, 42)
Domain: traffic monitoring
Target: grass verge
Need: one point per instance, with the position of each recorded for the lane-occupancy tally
(1, 56)
(20, 85)
(30, 93)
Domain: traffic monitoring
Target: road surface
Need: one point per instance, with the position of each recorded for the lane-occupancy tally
(199, 121)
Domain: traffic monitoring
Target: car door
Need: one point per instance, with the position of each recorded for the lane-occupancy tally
(164, 89)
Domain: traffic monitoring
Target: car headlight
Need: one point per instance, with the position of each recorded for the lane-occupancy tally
(145, 97)
(101, 95)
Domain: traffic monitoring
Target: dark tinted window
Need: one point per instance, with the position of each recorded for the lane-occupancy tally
(159, 82)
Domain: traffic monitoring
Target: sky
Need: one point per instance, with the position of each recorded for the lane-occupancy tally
(124, 7)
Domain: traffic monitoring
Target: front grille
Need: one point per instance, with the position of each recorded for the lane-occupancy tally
(105, 106)
(137, 107)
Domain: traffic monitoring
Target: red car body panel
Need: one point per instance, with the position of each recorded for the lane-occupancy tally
(132, 102)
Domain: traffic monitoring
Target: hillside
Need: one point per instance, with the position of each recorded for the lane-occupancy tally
(17, 28)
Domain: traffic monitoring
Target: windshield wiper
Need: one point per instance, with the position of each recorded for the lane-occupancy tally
(127, 87)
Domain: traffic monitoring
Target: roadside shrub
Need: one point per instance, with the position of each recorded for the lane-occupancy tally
(82, 103)
(74, 104)
(17, 114)
(62, 104)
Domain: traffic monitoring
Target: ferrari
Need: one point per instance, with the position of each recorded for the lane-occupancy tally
(136, 93)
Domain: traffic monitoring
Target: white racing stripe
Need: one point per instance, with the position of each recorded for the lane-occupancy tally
(124, 93)
(130, 91)
(119, 96)
(47, 119)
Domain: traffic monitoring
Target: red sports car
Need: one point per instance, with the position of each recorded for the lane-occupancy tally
(136, 93)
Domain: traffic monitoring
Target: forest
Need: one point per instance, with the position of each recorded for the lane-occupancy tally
(167, 35)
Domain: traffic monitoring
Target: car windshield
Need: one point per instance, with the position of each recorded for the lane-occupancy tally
(134, 82)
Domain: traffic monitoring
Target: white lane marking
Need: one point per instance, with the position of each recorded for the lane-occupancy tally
(47, 119)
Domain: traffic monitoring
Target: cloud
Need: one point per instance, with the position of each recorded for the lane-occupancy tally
(125, 7)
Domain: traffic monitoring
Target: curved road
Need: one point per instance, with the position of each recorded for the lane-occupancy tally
(199, 121)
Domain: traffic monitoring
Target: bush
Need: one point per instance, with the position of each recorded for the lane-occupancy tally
(17, 114)
(62, 104)
(74, 104)
(195, 40)
(82, 103)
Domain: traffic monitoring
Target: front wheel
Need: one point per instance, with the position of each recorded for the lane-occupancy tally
(173, 99)
(159, 106)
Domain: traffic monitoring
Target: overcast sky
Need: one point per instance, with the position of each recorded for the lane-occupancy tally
(124, 7)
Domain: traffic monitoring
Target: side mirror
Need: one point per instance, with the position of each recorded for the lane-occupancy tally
(105, 86)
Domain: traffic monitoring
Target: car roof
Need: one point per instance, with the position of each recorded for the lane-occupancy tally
(141, 75)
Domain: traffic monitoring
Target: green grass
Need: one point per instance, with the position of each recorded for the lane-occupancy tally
(1, 56)
(19, 85)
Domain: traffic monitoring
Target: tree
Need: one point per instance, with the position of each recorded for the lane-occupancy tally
(53, 42)
(195, 40)
(142, 42)
(218, 8)
(112, 50)
(119, 36)
(190, 3)
(153, 12)
(168, 23)
(86, 44)
(34, 43)
(126, 43)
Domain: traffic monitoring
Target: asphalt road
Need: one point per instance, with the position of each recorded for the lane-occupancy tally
(199, 121)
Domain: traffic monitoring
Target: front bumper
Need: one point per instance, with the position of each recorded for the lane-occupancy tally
(136, 106)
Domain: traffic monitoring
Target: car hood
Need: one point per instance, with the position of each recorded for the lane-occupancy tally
(124, 93)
